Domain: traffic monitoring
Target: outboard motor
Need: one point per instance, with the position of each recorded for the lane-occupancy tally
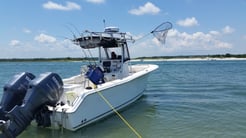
(14, 92)
(44, 90)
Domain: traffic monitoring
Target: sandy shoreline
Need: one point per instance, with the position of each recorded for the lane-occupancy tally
(190, 59)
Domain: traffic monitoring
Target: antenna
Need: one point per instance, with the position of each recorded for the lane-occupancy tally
(104, 23)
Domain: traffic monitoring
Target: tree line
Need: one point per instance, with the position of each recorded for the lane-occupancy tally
(227, 55)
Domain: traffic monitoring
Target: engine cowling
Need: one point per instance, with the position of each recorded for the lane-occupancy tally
(42, 91)
(14, 92)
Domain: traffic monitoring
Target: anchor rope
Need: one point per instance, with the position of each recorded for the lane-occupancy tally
(120, 116)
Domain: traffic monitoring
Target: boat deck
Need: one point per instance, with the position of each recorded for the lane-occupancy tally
(79, 85)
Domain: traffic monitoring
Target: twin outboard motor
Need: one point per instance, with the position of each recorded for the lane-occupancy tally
(42, 91)
(14, 92)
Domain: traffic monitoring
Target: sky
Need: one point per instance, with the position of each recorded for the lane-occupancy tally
(44, 28)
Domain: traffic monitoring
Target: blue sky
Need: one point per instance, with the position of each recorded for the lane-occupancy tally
(36, 29)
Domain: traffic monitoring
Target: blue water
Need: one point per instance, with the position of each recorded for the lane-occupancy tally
(183, 99)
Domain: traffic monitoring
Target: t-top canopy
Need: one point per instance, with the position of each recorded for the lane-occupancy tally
(107, 39)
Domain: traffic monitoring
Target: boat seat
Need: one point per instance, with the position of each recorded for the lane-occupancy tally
(70, 87)
(106, 66)
(70, 97)
(119, 57)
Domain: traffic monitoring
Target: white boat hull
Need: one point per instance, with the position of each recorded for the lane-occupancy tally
(92, 107)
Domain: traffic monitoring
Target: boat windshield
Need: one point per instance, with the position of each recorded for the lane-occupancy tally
(115, 53)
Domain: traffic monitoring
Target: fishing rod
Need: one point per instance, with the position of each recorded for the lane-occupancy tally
(88, 55)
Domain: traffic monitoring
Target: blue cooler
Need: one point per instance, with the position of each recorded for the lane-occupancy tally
(95, 75)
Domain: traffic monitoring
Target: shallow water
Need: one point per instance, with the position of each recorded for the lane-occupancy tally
(183, 99)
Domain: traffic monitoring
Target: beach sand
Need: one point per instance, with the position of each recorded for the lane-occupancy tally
(189, 59)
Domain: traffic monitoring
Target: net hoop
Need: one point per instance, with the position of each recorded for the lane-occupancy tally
(160, 32)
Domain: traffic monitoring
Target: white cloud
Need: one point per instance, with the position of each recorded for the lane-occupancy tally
(55, 6)
(228, 30)
(181, 43)
(214, 32)
(244, 37)
(14, 43)
(148, 8)
(188, 22)
(61, 48)
(206, 41)
(43, 38)
(96, 1)
(27, 31)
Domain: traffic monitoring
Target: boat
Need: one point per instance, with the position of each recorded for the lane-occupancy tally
(75, 102)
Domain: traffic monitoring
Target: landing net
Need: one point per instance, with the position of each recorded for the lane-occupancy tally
(160, 32)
